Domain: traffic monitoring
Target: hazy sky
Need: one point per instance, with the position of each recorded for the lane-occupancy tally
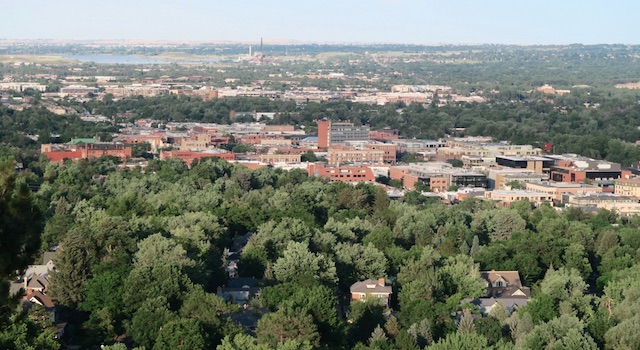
(403, 21)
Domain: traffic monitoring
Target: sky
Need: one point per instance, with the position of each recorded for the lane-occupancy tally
(327, 21)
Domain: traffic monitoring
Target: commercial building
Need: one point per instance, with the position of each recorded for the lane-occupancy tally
(84, 150)
(384, 135)
(415, 146)
(388, 149)
(623, 205)
(146, 90)
(537, 164)
(20, 87)
(342, 173)
(77, 90)
(500, 178)
(438, 176)
(488, 150)
(578, 169)
(337, 155)
(507, 197)
(337, 133)
(627, 187)
(279, 158)
(559, 190)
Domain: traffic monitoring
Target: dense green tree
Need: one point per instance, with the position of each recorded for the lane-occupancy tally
(286, 325)
(21, 332)
(298, 262)
(73, 267)
(625, 335)
(490, 328)
(421, 333)
(357, 262)
(148, 321)
(246, 342)
(364, 317)
(471, 341)
(147, 282)
(565, 332)
(181, 334)
(20, 230)
(404, 341)
(319, 302)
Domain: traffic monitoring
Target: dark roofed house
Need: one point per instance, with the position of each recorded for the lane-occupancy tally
(503, 287)
(47, 258)
(240, 290)
(486, 304)
(39, 298)
(371, 288)
(504, 284)
(38, 283)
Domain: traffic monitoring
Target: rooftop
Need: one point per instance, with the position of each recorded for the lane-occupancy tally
(370, 286)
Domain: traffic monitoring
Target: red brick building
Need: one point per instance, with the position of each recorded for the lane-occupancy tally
(344, 173)
(384, 135)
(58, 153)
(388, 149)
(337, 133)
(323, 133)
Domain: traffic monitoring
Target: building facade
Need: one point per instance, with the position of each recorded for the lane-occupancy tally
(336, 133)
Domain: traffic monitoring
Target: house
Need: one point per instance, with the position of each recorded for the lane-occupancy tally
(503, 287)
(485, 305)
(47, 259)
(233, 254)
(38, 283)
(39, 298)
(240, 290)
(504, 284)
(371, 288)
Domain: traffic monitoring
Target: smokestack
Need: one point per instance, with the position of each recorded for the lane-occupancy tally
(249, 50)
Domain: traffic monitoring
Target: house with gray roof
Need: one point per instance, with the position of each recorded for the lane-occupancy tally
(371, 288)
(503, 287)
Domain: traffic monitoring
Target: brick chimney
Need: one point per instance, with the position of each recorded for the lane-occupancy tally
(381, 282)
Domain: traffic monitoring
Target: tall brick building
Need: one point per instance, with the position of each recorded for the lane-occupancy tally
(337, 133)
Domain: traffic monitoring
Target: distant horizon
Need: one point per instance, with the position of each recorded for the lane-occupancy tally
(463, 22)
(271, 41)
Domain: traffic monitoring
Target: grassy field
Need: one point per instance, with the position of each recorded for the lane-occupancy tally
(35, 59)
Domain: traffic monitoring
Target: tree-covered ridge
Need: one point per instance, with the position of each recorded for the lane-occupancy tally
(142, 254)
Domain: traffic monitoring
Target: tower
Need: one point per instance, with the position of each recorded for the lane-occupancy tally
(250, 51)
(261, 56)
(324, 129)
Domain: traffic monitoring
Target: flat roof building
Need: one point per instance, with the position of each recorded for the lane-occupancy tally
(337, 133)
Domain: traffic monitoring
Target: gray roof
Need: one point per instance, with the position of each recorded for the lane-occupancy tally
(370, 286)
(37, 282)
(240, 282)
(48, 256)
(508, 303)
